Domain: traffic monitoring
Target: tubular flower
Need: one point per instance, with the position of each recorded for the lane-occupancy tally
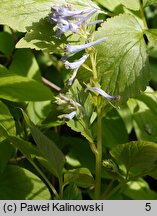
(70, 115)
(76, 48)
(75, 66)
(102, 93)
(67, 19)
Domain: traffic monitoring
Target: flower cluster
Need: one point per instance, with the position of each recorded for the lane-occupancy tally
(68, 105)
(68, 19)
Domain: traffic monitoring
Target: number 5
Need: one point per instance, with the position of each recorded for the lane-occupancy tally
(148, 206)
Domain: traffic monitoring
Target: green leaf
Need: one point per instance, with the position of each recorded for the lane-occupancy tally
(80, 154)
(21, 14)
(126, 116)
(6, 43)
(139, 190)
(110, 5)
(139, 158)
(149, 2)
(152, 37)
(38, 111)
(144, 116)
(48, 148)
(30, 151)
(50, 151)
(25, 64)
(27, 149)
(3, 133)
(72, 192)
(133, 4)
(18, 88)
(7, 120)
(123, 61)
(17, 183)
(6, 152)
(112, 127)
(41, 36)
(82, 177)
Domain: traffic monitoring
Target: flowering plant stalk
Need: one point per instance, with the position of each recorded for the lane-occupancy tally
(78, 22)
(78, 114)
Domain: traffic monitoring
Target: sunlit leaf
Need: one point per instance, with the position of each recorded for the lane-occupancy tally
(139, 190)
(25, 64)
(133, 4)
(122, 59)
(19, 88)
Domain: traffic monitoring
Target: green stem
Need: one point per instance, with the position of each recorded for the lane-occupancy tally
(93, 62)
(143, 16)
(61, 187)
(98, 158)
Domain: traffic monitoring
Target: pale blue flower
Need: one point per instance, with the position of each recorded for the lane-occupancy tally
(75, 66)
(70, 115)
(84, 19)
(95, 22)
(66, 11)
(68, 19)
(102, 93)
(76, 48)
